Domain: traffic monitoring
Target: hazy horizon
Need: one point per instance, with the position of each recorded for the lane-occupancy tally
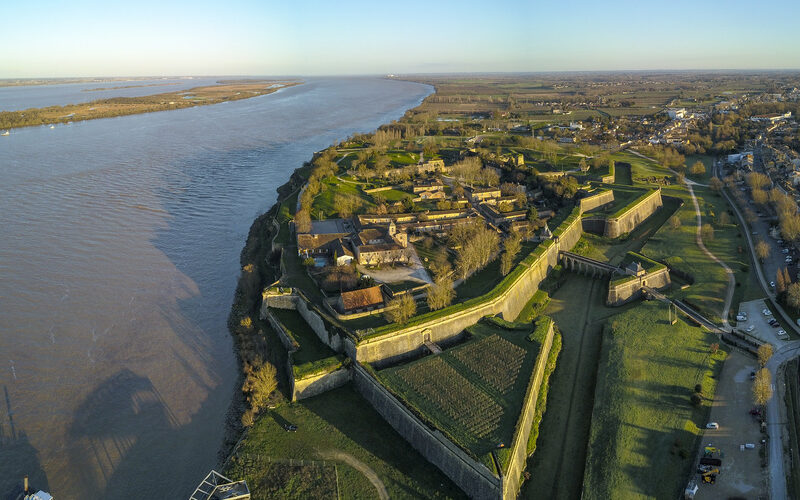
(88, 38)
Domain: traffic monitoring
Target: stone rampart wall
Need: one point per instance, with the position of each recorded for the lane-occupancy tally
(472, 477)
(314, 320)
(621, 293)
(409, 341)
(597, 200)
(627, 221)
(317, 384)
(596, 225)
(519, 450)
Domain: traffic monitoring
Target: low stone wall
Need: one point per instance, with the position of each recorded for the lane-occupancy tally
(597, 200)
(633, 216)
(628, 290)
(281, 301)
(472, 477)
(395, 345)
(519, 450)
(317, 384)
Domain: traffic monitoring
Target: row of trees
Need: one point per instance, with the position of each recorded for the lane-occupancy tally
(475, 246)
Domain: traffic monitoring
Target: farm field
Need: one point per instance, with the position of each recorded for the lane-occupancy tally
(340, 421)
(644, 428)
(472, 392)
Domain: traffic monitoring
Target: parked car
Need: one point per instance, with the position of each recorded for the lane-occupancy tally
(751, 328)
(712, 425)
(290, 427)
(785, 250)
(766, 312)
(782, 333)
(741, 317)
(772, 284)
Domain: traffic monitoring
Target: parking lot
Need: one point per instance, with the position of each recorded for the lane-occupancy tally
(757, 323)
(740, 475)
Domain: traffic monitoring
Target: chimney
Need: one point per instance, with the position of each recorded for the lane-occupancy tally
(25, 484)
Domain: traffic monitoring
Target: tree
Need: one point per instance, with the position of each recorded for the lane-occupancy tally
(757, 180)
(762, 249)
(441, 293)
(259, 383)
(723, 219)
(715, 183)
(400, 309)
(302, 221)
(583, 165)
(533, 214)
(674, 222)
(511, 246)
(760, 196)
(698, 168)
(786, 278)
(707, 232)
(790, 226)
(793, 295)
(764, 353)
(346, 204)
(762, 387)
(780, 284)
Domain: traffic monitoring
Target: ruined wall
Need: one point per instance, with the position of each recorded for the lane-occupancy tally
(472, 477)
(317, 384)
(597, 200)
(627, 221)
(626, 291)
(409, 341)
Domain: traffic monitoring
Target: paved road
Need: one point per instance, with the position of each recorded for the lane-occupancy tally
(788, 351)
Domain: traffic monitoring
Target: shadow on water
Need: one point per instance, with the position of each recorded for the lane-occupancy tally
(18, 458)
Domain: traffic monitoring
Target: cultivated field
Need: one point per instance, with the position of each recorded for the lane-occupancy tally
(472, 392)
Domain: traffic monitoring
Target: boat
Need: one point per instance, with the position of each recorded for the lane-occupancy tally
(6, 132)
(52, 126)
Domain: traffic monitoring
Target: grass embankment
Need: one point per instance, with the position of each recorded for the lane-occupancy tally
(483, 281)
(338, 421)
(122, 106)
(473, 392)
(644, 428)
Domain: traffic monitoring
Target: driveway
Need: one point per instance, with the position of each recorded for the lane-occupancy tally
(415, 271)
(740, 474)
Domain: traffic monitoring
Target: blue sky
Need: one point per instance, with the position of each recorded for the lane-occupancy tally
(297, 37)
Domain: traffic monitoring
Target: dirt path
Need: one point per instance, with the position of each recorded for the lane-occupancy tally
(728, 270)
(361, 467)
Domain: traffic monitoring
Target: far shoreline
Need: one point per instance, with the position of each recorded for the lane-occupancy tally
(125, 106)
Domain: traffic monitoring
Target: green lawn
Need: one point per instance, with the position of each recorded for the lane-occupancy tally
(579, 310)
(707, 160)
(472, 392)
(644, 430)
(341, 421)
(677, 248)
(393, 195)
(623, 174)
(324, 205)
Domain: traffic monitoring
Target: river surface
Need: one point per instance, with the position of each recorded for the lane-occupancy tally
(119, 249)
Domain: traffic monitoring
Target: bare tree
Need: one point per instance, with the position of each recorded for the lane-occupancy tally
(302, 221)
(441, 293)
(764, 353)
(793, 295)
(762, 249)
(400, 309)
(762, 387)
